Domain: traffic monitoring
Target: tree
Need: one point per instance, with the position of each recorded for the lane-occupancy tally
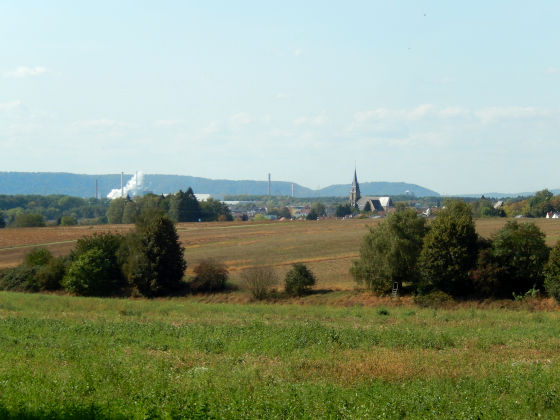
(343, 210)
(312, 215)
(69, 220)
(2, 220)
(130, 212)
(389, 252)
(95, 269)
(212, 210)
(259, 280)
(155, 261)
(116, 210)
(519, 250)
(449, 250)
(184, 207)
(319, 208)
(299, 280)
(552, 273)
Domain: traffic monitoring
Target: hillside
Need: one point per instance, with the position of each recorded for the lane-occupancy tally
(81, 185)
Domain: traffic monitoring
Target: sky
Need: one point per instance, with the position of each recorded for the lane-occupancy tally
(458, 97)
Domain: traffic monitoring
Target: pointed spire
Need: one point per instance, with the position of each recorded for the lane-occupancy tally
(355, 190)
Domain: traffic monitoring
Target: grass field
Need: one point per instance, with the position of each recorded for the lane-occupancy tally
(69, 357)
(327, 246)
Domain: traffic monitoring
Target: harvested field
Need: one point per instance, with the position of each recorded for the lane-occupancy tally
(327, 246)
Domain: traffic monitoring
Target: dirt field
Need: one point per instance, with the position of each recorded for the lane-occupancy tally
(327, 246)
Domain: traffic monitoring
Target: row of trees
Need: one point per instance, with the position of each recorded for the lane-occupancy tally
(449, 256)
(179, 207)
(148, 261)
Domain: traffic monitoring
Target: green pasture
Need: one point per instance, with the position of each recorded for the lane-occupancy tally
(68, 357)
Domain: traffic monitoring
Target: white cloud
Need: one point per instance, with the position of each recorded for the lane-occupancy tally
(314, 120)
(211, 128)
(454, 112)
(298, 52)
(492, 114)
(281, 95)
(8, 106)
(102, 123)
(241, 118)
(168, 123)
(553, 70)
(23, 71)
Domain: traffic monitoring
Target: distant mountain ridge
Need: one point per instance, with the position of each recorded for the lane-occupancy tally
(81, 185)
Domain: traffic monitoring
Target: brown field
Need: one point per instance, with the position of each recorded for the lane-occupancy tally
(327, 246)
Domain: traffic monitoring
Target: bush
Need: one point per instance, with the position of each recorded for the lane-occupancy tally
(20, 279)
(68, 221)
(435, 299)
(259, 281)
(389, 252)
(37, 257)
(154, 258)
(299, 280)
(90, 274)
(28, 220)
(210, 276)
(552, 273)
(50, 275)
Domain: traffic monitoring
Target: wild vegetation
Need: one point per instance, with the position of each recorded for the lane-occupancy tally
(65, 357)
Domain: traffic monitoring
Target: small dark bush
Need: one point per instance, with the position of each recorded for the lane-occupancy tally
(37, 257)
(68, 221)
(259, 281)
(435, 299)
(210, 276)
(20, 279)
(50, 275)
(382, 311)
(299, 280)
(28, 220)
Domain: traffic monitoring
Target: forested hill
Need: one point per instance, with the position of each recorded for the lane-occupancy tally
(79, 185)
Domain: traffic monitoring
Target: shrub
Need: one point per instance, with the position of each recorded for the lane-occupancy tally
(90, 274)
(435, 299)
(50, 275)
(154, 258)
(552, 273)
(37, 257)
(210, 276)
(28, 220)
(20, 279)
(68, 221)
(299, 280)
(389, 252)
(259, 281)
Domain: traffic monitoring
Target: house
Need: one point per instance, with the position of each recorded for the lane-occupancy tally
(552, 215)
(367, 202)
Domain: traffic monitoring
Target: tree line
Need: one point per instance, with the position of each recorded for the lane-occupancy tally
(449, 256)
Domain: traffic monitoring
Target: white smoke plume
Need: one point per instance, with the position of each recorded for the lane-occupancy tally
(132, 187)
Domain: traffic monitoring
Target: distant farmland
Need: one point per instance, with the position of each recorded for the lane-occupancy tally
(328, 246)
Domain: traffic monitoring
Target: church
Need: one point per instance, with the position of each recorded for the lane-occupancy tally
(367, 202)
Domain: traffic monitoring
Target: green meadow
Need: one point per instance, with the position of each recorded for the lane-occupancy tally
(66, 357)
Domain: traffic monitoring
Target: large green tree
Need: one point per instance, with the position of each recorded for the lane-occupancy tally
(389, 252)
(155, 261)
(449, 251)
(520, 252)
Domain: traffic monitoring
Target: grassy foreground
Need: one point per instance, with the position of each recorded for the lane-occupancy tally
(67, 357)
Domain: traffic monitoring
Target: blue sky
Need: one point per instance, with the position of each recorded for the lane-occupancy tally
(459, 97)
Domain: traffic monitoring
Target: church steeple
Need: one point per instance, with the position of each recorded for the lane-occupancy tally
(355, 191)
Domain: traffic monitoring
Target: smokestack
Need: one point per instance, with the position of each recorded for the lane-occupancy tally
(268, 184)
(122, 184)
(96, 189)
(292, 190)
